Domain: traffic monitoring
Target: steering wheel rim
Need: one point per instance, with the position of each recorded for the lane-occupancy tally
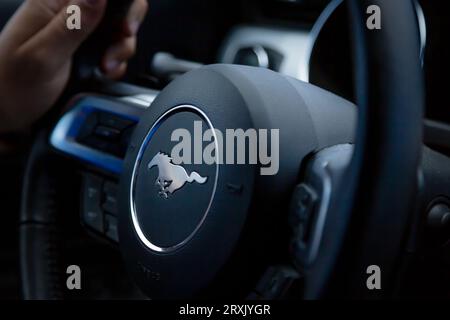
(383, 139)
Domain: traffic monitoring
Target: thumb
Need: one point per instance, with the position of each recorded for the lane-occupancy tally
(57, 40)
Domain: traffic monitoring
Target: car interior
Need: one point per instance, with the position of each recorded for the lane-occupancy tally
(364, 159)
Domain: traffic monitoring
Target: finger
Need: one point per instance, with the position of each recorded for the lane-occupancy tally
(117, 73)
(118, 53)
(30, 18)
(58, 41)
(135, 17)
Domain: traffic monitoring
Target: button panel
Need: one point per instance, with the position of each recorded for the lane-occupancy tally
(110, 202)
(92, 213)
(106, 132)
(99, 208)
(111, 229)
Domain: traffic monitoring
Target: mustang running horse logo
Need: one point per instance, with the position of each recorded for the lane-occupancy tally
(172, 177)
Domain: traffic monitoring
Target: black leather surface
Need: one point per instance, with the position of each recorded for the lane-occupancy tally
(39, 265)
(37, 231)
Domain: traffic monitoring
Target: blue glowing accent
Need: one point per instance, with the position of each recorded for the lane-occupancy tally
(63, 137)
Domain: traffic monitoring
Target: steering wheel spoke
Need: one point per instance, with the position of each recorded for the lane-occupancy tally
(311, 201)
(97, 130)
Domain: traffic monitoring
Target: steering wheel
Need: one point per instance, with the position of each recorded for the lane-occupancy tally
(341, 200)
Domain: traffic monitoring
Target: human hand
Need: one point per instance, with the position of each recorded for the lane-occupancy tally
(36, 53)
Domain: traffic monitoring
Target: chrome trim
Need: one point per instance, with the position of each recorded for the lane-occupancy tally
(137, 163)
(262, 56)
(142, 100)
(422, 29)
(324, 175)
(290, 43)
(323, 210)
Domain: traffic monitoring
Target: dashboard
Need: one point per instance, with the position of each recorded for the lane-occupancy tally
(305, 39)
(319, 53)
